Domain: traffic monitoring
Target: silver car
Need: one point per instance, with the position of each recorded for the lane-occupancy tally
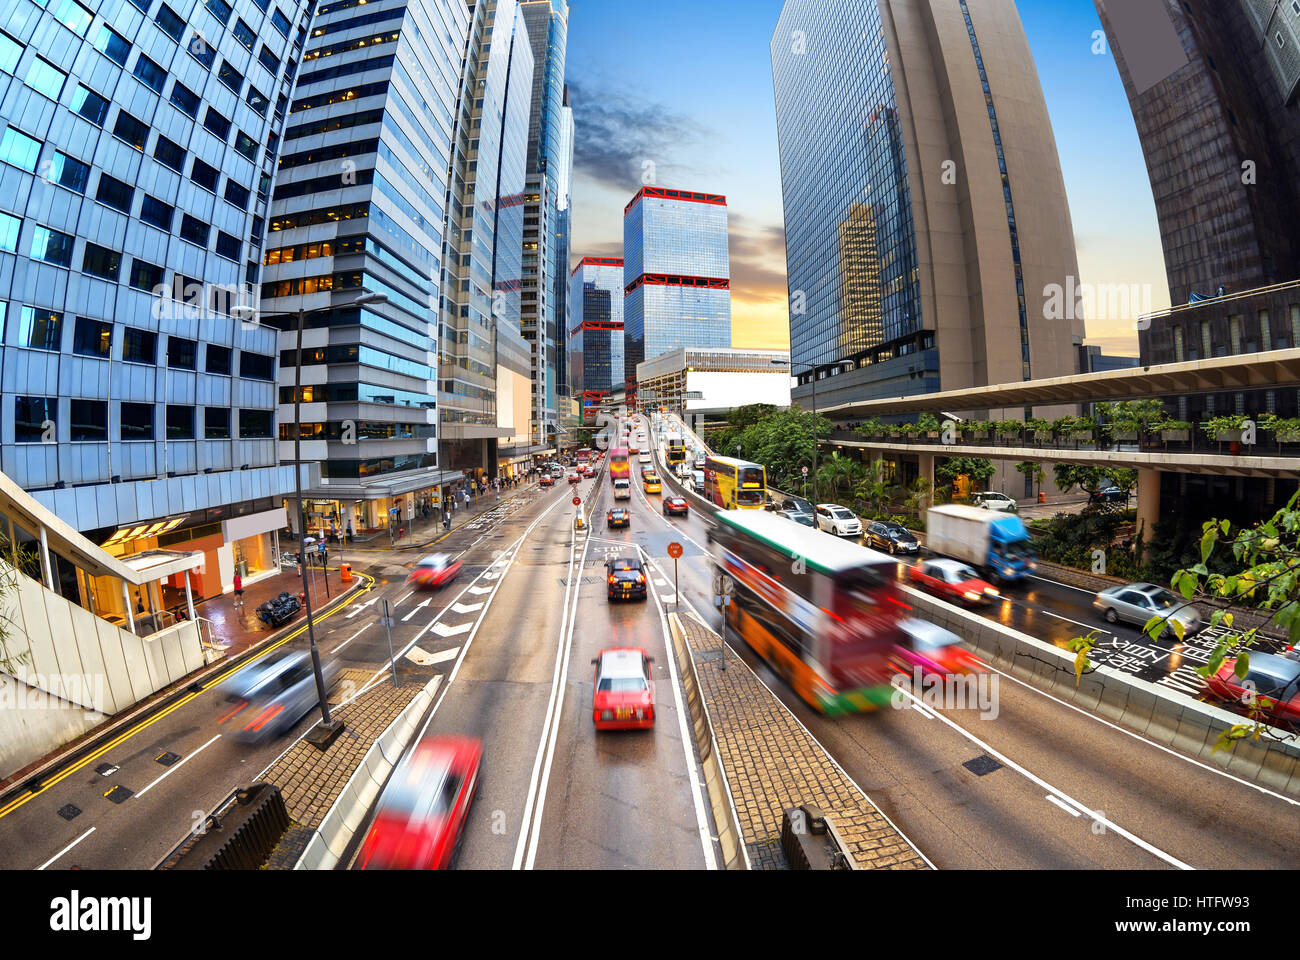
(280, 696)
(1137, 603)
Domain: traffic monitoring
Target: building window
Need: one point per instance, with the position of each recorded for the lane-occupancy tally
(181, 353)
(180, 422)
(254, 424)
(1265, 331)
(218, 360)
(32, 417)
(73, 16)
(228, 246)
(139, 346)
(257, 100)
(114, 193)
(244, 34)
(113, 45)
(232, 78)
(170, 21)
(89, 105)
(280, 21)
(52, 246)
(131, 130)
(149, 73)
(44, 77)
(88, 420)
(237, 195)
(269, 60)
(186, 99)
(170, 154)
(39, 329)
(10, 52)
(19, 149)
(137, 421)
(198, 49)
(256, 366)
(92, 338)
(9, 227)
(216, 423)
(204, 175)
(101, 262)
(219, 9)
(246, 145)
(216, 123)
(145, 275)
(69, 172)
(195, 230)
(160, 214)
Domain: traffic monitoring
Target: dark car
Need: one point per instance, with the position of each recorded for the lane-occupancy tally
(1111, 494)
(676, 505)
(798, 504)
(798, 516)
(618, 517)
(625, 578)
(892, 537)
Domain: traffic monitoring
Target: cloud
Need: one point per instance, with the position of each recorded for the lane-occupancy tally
(619, 134)
(757, 260)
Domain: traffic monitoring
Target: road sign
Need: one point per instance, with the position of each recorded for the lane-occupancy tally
(577, 501)
(724, 601)
(386, 622)
(674, 549)
(723, 585)
(804, 470)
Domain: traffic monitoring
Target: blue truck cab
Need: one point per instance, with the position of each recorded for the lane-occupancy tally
(1011, 551)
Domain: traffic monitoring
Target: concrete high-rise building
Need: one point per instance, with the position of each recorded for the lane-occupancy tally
(595, 341)
(676, 275)
(563, 245)
(1213, 89)
(359, 205)
(545, 263)
(138, 144)
(485, 367)
(925, 212)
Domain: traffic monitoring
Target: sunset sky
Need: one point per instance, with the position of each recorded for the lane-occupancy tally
(683, 91)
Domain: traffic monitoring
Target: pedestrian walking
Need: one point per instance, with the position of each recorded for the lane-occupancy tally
(239, 591)
(446, 520)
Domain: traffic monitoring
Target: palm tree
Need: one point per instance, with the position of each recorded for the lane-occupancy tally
(837, 472)
(918, 499)
(873, 489)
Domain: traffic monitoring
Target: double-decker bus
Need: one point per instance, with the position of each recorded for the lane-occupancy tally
(826, 614)
(583, 455)
(619, 468)
(734, 484)
(676, 451)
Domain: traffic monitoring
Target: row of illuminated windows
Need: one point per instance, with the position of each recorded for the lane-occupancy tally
(357, 393)
(35, 420)
(360, 430)
(354, 353)
(41, 329)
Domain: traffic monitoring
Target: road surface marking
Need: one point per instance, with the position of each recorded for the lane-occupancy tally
(444, 655)
(404, 597)
(417, 608)
(176, 766)
(443, 630)
(66, 849)
(1086, 626)
(1070, 810)
(358, 607)
(1058, 583)
(353, 637)
(467, 607)
(479, 591)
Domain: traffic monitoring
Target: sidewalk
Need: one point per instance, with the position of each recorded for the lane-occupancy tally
(235, 628)
(772, 763)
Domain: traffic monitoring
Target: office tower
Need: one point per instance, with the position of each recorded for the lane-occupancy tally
(485, 365)
(359, 206)
(925, 213)
(138, 143)
(595, 340)
(547, 196)
(564, 246)
(676, 275)
(1213, 89)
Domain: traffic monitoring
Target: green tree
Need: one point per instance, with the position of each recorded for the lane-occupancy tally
(1034, 471)
(977, 468)
(918, 496)
(873, 490)
(838, 472)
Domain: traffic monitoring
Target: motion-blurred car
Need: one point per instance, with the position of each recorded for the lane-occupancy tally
(935, 650)
(841, 521)
(798, 516)
(281, 694)
(587, 470)
(893, 537)
(952, 580)
(653, 484)
(992, 500)
(1272, 684)
(1137, 603)
(574, 478)
(435, 570)
(547, 480)
(624, 691)
(421, 813)
(625, 579)
(618, 517)
(795, 503)
(676, 506)
(646, 470)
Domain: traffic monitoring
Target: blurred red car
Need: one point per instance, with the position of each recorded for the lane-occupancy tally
(952, 580)
(1272, 683)
(624, 697)
(934, 650)
(676, 505)
(435, 570)
(547, 480)
(421, 813)
(574, 478)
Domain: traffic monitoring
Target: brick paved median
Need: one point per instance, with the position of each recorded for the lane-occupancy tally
(772, 763)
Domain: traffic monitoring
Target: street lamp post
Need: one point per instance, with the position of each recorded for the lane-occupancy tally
(324, 733)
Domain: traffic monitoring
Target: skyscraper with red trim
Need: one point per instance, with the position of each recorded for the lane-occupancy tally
(595, 336)
(676, 275)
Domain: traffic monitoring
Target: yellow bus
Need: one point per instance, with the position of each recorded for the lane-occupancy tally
(735, 484)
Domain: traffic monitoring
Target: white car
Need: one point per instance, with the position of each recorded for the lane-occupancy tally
(841, 521)
(991, 500)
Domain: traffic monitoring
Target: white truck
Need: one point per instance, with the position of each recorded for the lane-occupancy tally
(997, 544)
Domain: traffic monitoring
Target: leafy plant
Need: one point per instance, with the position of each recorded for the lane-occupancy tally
(977, 468)
(1225, 427)
(976, 426)
(928, 423)
(1033, 471)
(1009, 426)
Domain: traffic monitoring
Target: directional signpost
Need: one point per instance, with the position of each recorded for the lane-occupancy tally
(675, 551)
(723, 586)
(387, 621)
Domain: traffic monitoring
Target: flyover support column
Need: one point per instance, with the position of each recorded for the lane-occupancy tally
(926, 461)
(1148, 503)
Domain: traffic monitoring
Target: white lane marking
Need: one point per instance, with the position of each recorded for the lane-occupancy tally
(479, 591)
(1086, 626)
(1095, 816)
(923, 711)
(353, 637)
(1070, 810)
(467, 607)
(697, 781)
(443, 630)
(444, 655)
(357, 608)
(66, 849)
(490, 575)
(417, 608)
(405, 596)
(1058, 583)
(1151, 743)
(176, 766)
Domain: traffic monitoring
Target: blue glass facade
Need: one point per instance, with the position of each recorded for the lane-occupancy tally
(851, 247)
(676, 275)
(595, 347)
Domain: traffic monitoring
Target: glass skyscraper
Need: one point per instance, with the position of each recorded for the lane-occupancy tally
(595, 341)
(676, 275)
(138, 144)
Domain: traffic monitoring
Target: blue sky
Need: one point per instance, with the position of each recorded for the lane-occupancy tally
(681, 91)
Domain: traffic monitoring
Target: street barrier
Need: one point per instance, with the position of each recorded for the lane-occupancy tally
(811, 842)
(241, 833)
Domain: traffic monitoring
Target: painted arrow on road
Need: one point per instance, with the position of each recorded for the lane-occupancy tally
(360, 606)
(479, 591)
(443, 630)
(416, 610)
(467, 607)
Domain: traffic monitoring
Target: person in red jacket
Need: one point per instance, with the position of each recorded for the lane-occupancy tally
(239, 590)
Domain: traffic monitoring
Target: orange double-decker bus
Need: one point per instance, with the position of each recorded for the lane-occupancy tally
(619, 468)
